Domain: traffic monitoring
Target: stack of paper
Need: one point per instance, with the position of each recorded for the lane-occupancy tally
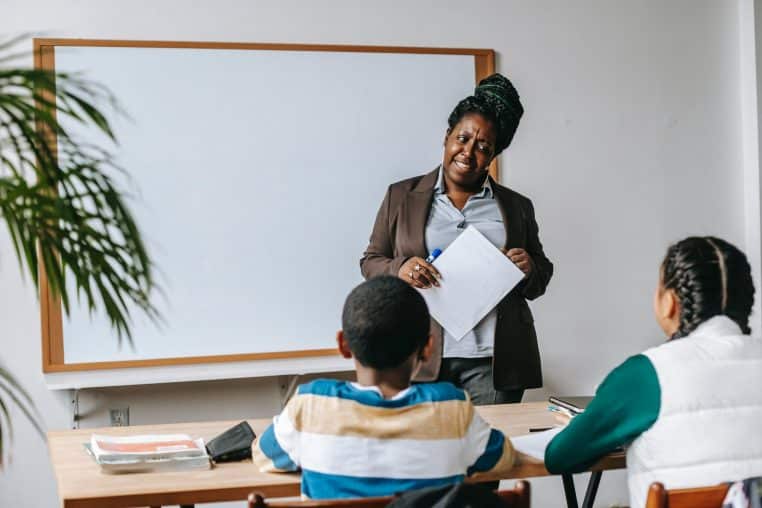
(475, 277)
(147, 453)
(534, 444)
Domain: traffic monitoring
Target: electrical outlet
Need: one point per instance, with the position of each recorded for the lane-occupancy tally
(120, 417)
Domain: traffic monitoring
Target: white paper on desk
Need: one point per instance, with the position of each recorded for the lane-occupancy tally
(475, 277)
(534, 444)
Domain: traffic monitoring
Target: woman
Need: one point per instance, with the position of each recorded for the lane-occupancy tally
(499, 358)
(691, 408)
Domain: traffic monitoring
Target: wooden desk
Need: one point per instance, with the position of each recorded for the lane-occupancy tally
(81, 484)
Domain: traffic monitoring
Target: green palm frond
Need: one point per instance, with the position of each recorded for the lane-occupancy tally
(59, 200)
(10, 388)
(63, 209)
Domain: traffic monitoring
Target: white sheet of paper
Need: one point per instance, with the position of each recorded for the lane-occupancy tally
(475, 277)
(534, 444)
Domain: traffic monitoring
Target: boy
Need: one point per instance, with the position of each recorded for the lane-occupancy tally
(381, 435)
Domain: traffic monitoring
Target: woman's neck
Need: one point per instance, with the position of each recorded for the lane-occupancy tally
(459, 194)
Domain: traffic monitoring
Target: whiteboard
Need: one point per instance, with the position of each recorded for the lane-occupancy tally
(258, 175)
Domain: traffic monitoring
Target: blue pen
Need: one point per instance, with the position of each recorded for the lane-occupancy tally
(434, 254)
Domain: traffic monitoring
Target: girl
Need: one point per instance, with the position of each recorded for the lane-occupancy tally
(690, 409)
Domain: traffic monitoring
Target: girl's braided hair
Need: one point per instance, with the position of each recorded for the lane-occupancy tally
(711, 277)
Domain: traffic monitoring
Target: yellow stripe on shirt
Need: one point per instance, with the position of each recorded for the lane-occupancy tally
(336, 416)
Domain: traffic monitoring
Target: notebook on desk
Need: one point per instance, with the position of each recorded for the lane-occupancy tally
(575, 405)
(147, 453)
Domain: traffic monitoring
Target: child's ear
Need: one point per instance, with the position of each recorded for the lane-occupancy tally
(667, 310)
(342, 344)
(425, 353)
(672, 307)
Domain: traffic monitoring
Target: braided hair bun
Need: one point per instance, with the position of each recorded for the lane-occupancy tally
(496, 99)
(711, 277)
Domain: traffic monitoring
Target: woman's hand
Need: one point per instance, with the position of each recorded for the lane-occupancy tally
(521, 259)
(418, 273)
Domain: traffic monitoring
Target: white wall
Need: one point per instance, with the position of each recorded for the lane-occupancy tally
(631, 140)
(749, 25)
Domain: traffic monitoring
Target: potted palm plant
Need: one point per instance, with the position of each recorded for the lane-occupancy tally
(62, 205)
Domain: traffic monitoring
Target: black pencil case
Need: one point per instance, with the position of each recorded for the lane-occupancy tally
(233, 444)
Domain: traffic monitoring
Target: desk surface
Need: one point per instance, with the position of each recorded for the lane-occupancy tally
(81, 484)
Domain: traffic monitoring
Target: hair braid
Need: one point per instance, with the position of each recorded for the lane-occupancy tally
(688, 288)
(710, 277)
(496, 99)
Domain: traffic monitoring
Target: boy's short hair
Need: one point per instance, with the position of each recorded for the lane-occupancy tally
(384, 322)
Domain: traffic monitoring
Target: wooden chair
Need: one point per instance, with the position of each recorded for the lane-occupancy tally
(517, 497)
(257, 501)
(700, 497)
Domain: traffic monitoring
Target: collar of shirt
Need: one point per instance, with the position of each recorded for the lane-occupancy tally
(485, 192)
(369, 388)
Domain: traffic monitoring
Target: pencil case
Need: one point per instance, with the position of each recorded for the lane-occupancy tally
(232, 445)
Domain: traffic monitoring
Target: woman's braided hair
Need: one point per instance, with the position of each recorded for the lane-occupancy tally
(497, 100)
(710, 277)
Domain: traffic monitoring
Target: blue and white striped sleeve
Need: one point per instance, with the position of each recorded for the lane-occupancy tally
(277, 449)
(490, 452)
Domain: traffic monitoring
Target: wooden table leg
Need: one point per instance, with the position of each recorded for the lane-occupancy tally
(569, 491)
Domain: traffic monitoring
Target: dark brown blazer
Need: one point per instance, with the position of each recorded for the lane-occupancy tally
(399, 233)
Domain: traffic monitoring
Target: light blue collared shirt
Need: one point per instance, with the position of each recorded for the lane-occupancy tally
(444, 224)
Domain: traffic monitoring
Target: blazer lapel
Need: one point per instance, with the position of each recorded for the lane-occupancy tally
(419, 205)
(511, 212)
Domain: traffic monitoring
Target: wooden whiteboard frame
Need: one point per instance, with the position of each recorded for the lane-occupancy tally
(51, 308)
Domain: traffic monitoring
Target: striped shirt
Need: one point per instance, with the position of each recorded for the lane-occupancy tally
(349, 441)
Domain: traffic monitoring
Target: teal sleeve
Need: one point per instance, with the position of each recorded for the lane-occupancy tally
(625, 405)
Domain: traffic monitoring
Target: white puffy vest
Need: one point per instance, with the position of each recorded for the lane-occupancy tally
(709, 428)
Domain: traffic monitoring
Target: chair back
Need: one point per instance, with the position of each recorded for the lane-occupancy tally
(699, 497)
(517, 497)
(256, 500)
